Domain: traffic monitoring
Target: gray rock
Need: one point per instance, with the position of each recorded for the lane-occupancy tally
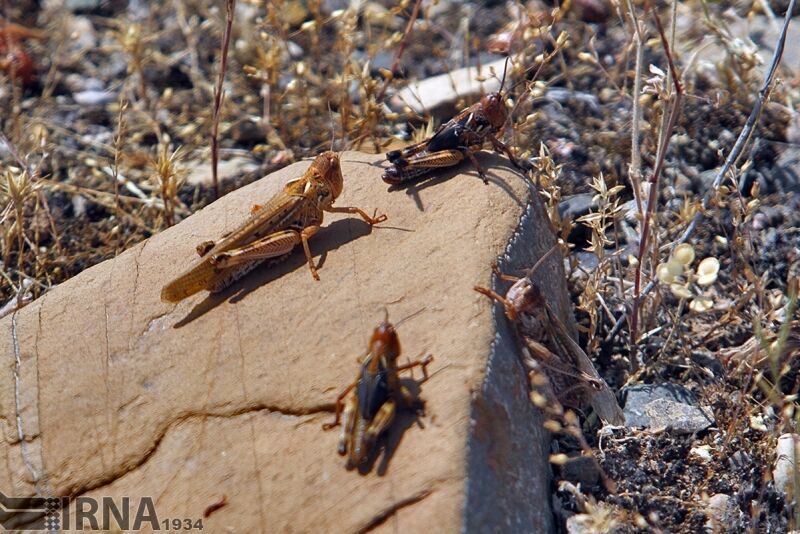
(637, 397)
(665, 406)
(679, 417)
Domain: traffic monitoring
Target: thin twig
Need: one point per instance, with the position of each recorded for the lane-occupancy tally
(733, 156)
(218, 94)
(400, 49)
(654, 181)
(635, 169)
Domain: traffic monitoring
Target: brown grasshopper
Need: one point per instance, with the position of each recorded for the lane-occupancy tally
(547, 346)
(289, 218)
(369, 411)
(461, 137)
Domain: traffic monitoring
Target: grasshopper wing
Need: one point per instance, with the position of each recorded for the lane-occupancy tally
(278, 214)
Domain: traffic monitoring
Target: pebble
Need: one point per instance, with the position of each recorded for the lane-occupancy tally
(94, 98)
(783, 473)
(636, 397)
(82, 34)
(665, 406)
(723, 514)
(679, 417)
(296, 51)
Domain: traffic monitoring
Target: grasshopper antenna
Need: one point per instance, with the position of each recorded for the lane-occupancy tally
(505, 69)
(333, 126)
(524, 80)
(411, 316)
(542, 260)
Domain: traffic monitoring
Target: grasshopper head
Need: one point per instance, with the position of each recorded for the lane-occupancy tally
(329, 172)
(523, 296)
(494, 106)
(384, 341)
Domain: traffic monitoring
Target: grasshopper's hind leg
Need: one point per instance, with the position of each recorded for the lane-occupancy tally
(348, 424)
(271, 246)
(380, 422)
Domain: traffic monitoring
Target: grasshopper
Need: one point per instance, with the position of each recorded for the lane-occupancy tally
(547, 346)
(289, 218)
(461, 137)
(369, 411)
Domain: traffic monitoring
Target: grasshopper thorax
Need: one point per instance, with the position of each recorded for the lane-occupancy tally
(329, 172)
(494, 107)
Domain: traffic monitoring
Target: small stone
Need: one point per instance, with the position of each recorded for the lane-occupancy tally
(78, 206)
(723, 514)
(82, 34)
(703, 453)
(94, 98)
(783, 474)
(637, 397)
(295, 50)
(679, 417)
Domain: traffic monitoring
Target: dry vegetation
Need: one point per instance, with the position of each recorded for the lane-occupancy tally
(98, 143)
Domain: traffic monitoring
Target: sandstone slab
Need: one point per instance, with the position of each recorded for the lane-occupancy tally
(107, 391)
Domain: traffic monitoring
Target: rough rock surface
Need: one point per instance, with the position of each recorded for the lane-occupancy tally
(107, 391)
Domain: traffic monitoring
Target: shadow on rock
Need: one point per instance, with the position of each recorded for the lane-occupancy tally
(330, 238)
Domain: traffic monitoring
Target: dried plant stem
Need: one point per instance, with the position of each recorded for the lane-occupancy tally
(218, 95)
(666, 134)
(400, 49)
(733, 156)
(635, 169)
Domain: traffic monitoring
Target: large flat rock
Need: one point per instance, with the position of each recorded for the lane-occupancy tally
(116, 393)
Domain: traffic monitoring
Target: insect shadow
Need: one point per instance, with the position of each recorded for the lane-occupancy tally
(405, 417)
(329, 238)
(489, 161)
